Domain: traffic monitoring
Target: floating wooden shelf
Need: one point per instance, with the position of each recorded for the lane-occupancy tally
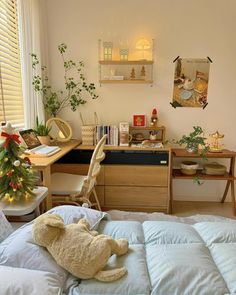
(126, 62)
(136, 81)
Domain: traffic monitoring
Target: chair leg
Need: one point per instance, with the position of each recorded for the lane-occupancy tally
(96, 199)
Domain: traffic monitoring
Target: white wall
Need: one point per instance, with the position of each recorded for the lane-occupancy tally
(187, 28)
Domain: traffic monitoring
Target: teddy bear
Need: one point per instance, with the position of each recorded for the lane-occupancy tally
(82, 252)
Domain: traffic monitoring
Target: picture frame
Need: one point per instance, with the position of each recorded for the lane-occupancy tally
(139, 120)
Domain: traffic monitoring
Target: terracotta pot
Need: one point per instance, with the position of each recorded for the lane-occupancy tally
(44, 139)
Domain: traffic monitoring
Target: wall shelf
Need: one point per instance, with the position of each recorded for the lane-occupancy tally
(133, 69)
(126, 81)
(126, 62)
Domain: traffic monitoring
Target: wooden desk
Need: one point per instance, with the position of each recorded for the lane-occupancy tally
(44, 164)
(228, 176)
(131, 178)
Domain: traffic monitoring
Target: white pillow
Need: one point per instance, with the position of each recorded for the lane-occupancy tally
(22, 281)
(5, 227)
(72, 214)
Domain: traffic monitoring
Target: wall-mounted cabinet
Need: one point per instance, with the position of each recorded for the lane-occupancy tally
(122, 66)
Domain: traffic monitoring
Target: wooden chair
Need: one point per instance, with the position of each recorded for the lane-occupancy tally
(76, 189)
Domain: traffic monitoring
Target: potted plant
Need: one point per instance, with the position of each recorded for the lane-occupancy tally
(42, 132)
(193, 140)
(76, 89)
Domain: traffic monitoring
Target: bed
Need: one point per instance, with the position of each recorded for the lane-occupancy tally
(165, 257)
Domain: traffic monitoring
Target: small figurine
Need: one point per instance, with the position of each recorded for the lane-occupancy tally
(215, 146)
(132, 75)
(143, 73)
(154, 118)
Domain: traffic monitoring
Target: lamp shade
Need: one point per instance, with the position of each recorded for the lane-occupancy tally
(143, 44)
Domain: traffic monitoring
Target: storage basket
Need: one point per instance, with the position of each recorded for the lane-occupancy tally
(214, 169)
(88, 131)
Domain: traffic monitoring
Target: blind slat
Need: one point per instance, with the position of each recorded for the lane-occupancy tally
(11, 100)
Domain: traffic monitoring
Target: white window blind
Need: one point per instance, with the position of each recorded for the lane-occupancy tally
(11, 100)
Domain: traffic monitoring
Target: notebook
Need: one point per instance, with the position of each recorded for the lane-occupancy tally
(34, 146)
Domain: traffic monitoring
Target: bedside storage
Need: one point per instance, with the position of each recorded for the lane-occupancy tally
(131, 178)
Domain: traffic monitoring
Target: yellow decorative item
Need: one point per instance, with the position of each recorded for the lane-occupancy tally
(142, 45)
(215, 146)
(82, 252)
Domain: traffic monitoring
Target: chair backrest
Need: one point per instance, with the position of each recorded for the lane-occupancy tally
(94, 167)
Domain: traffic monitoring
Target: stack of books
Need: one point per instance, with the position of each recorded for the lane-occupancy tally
(111, 130)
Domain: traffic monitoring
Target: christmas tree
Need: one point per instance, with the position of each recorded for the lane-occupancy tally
(17, 179)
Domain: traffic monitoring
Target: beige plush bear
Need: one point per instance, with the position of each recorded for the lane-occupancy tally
(80, 251)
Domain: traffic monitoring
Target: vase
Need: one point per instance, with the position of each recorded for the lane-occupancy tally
(44, 139)
(193, 148)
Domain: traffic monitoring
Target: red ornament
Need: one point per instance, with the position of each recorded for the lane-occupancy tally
(9, 173)
(27, 160)
(154, 111)
(13, 185)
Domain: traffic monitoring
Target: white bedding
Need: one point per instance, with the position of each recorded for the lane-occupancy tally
(165, 258)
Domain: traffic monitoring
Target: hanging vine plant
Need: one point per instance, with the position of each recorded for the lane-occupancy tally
(76, 89)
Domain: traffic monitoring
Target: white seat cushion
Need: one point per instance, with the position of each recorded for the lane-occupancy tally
(66, 184)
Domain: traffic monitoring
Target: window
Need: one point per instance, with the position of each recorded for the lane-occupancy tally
(11, 100)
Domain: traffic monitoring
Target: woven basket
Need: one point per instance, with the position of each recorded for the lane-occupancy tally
(214, 169)
(88, 131)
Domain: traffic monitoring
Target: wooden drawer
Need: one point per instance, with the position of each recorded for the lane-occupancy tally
(80, 169)
(136, 175)
(136, 196)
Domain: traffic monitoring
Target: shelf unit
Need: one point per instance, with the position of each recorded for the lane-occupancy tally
(123, 68)
(146, 130)
(229, 176)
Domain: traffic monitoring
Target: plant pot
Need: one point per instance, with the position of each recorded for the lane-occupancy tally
(44, 139)
(189, 167)
(192, 148)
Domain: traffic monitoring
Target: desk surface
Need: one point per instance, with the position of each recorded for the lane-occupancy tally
(41, 162)
(122, 148)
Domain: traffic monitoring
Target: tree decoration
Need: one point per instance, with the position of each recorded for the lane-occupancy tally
(17, 179)
(76, 90)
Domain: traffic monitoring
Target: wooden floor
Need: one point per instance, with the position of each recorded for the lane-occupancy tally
(184, 208)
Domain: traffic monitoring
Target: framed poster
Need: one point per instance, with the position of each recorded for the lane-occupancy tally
(191, 82)
(139, 120)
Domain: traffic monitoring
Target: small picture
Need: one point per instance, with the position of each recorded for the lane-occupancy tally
(139, 120)
(191, 82)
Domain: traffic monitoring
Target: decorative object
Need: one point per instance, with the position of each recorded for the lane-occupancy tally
(107, 50)
(132, 75)
(193, 140)
(88, 130)
(62, 242)
(143, 45)
(143, 73)
(189, 167)
(75, 85)
(191, 82)
(42, 131)
(215, 146)
(153, 135)
(60, 130)
(139, 120)
(154, 117)
(124, 133)
(138, 136)
(214, 168)
(124, 53)
(17, 179)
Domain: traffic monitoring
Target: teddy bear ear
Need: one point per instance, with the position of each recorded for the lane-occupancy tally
(54, 220)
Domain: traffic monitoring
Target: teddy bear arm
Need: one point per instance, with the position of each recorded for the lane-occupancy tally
(118, 247)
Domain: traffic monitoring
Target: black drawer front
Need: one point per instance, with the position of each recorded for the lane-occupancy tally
(118, 157)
